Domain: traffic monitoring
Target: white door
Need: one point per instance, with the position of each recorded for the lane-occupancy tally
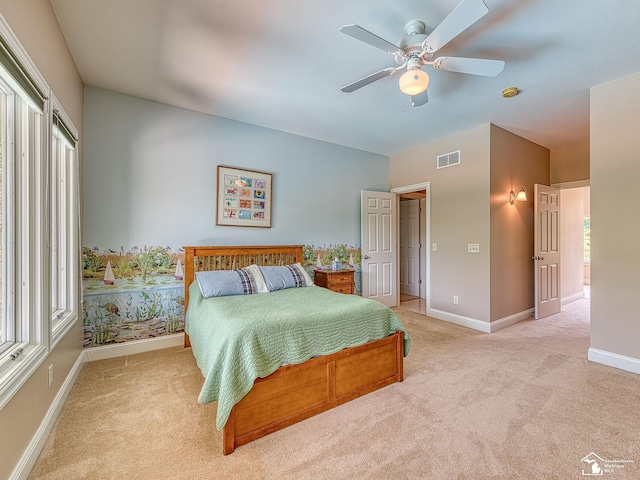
(379, 238)
(409, 247)
(546, 250)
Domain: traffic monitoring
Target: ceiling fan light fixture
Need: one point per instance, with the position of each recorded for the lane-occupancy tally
(413, 81)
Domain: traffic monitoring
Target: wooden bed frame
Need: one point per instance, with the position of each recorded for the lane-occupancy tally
(295, 392)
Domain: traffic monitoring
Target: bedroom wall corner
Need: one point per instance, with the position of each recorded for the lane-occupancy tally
(515, 162)
(459, 216)
(570, 163)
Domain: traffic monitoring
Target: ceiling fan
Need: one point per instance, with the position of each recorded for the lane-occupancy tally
(418, 49)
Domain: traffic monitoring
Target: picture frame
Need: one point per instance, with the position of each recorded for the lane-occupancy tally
(244, 197)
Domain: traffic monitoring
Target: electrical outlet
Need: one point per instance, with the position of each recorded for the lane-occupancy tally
(455, 300)
(50, 374)
(473, 247)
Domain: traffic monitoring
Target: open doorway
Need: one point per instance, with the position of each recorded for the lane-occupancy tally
(413, 241)
(575, 243)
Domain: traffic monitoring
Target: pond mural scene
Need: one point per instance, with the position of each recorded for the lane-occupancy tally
(131, 295)
(139, 293)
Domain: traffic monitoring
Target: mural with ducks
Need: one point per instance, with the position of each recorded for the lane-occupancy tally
(138, 293)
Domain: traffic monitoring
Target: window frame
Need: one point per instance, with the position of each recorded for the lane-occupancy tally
(64, 137)
(26, 149)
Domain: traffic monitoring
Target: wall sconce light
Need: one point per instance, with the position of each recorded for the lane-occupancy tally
(520, 197)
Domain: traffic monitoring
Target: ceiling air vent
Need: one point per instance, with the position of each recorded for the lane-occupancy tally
(449, 159)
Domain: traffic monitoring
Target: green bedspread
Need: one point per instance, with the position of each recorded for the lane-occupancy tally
(237, 339)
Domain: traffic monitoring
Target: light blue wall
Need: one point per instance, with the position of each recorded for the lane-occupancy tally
(150, 178)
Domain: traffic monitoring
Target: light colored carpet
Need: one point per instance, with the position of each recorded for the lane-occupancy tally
(520, 403)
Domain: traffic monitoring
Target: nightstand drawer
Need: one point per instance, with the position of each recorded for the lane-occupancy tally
(342, 277)
(342, 288)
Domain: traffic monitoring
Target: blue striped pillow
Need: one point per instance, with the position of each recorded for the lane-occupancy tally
(286, 276)
(222, 283)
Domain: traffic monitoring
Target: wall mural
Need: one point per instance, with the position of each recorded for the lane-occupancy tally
(139, 293)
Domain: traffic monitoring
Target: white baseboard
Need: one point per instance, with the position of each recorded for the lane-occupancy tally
(131, 348)
(480, 325)
(615, 360)
(510, 320)
(30, 455)
(572, 298)
(468, 322)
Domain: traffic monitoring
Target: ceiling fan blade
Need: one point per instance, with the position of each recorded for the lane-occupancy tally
(420, 99)
(474, 66)
(462, 17)
(367, 80)
(366, 36)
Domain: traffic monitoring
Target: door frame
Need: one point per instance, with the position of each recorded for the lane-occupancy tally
(427, 219)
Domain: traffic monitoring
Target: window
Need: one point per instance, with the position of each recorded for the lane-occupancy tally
(39, 225)
(4, 327)
(63, 230)
(587, 240)
(22, 149)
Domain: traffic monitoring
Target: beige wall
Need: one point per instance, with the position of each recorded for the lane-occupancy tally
(515, 163)
(34, 24)
(615, 223)
(570, 163)
(571, 242)
(459, 215)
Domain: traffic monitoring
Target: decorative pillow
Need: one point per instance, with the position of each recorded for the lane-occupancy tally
(221, 283)
(254, 269)
(286, 276)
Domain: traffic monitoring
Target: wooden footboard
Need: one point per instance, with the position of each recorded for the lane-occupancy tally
(295, 392)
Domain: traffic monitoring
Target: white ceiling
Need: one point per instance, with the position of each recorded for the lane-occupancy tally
(281, 63)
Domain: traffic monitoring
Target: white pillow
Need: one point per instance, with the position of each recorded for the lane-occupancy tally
(261, 286)
(304, 273)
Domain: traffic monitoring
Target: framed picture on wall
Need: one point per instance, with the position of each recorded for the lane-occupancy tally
(244, 198)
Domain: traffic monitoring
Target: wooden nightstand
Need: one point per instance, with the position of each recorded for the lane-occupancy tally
(340, 281)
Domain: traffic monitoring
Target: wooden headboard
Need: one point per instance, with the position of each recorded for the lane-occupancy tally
(198, 259)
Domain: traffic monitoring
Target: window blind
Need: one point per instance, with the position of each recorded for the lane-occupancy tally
(15, 68)
(64, 129)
